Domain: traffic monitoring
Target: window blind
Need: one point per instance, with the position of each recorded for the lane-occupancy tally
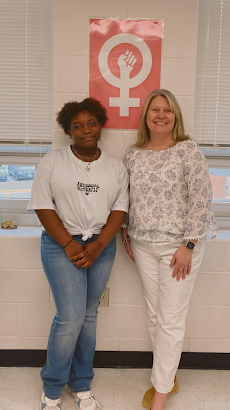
(212, 94)
(26, 70)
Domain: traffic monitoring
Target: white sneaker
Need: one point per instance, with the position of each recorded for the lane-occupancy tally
(85, 400)
(49, 404)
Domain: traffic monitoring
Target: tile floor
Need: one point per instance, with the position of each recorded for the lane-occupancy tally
(120, 389)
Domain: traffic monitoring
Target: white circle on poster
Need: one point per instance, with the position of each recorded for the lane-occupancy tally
(119, 39)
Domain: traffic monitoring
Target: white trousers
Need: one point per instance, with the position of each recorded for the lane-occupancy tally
(167, 303)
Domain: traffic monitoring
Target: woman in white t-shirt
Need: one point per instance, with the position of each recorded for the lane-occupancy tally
(80, 195)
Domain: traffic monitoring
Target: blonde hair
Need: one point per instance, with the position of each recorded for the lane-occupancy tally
(143, 135)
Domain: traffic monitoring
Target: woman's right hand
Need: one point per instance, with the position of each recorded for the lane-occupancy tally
(124, 234)
(73, 249)
(129, 250)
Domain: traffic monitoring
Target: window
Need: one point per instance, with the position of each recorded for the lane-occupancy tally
(18, 165)
(212, 99)
(212, 96)
(26, 76)
(220, 183)
(26, 111)
(16, 181)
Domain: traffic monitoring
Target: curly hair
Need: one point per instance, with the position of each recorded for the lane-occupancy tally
(72, 108)
(143, 135)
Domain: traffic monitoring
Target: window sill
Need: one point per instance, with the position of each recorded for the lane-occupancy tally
(224, 234)
(22, 231)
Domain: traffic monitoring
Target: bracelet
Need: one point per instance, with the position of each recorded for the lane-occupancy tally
(125, 239)
(67, 244)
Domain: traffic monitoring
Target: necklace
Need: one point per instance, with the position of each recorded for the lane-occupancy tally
(87, 158)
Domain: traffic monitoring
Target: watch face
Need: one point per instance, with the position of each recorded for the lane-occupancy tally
(190, 245)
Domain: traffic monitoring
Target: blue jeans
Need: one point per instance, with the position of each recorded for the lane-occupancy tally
(77, 293)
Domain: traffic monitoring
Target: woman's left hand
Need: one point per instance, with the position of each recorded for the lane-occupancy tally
(86, 258)
(182, 259)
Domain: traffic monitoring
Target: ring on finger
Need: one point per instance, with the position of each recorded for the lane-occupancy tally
(186, 267)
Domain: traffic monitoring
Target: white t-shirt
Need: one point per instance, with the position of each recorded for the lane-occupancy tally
(82, 199)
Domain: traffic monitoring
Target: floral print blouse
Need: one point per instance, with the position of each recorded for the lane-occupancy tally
(170, 194)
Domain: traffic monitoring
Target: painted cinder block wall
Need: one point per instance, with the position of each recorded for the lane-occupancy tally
(26, 303)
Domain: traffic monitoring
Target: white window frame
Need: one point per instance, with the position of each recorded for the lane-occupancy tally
(26, 122)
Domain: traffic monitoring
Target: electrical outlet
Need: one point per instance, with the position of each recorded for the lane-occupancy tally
(104, 301)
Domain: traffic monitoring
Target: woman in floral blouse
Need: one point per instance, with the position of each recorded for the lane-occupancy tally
(170, 217)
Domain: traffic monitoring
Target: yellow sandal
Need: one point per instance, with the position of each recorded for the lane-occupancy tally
(148, 397)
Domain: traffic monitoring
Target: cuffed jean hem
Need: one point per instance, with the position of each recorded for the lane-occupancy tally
(51, 397)
(77, 391)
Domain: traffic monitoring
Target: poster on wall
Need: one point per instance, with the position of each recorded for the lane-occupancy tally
(124, 67)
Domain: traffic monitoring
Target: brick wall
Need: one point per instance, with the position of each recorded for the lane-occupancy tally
(27, 307)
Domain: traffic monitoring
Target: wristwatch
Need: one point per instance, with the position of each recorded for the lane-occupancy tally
(189, 245)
